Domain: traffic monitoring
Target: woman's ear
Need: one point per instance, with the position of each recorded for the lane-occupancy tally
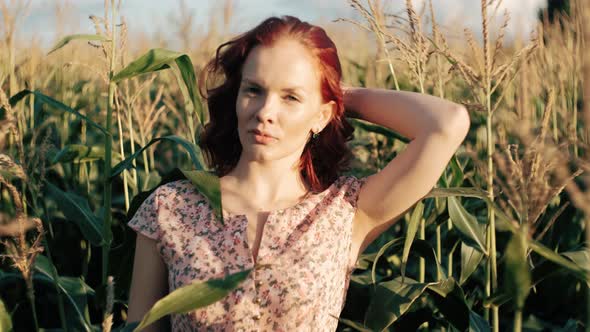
(326, 113)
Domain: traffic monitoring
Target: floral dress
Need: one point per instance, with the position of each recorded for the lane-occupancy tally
(302, 273)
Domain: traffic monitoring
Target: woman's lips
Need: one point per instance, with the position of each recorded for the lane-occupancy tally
(262, 139)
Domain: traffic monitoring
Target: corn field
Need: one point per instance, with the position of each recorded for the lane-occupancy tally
(89, 127)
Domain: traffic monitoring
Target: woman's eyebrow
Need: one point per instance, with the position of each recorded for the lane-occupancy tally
(249, 81)
(293, 89)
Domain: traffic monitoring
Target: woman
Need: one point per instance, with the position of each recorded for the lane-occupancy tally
(277, 141)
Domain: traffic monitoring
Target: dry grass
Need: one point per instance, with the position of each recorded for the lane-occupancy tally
(526, 171)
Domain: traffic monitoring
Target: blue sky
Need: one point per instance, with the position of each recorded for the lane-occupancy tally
(154, 15)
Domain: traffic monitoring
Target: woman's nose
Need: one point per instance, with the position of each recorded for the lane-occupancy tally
(267, 109)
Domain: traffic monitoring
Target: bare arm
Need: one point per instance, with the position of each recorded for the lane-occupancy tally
(436, 127)
(148, 284)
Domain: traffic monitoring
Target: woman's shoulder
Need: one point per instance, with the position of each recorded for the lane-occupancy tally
(179, 189)
(348, 180)
(349, 185)
(175, 187)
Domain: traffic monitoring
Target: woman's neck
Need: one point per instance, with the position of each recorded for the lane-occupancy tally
(265, 184)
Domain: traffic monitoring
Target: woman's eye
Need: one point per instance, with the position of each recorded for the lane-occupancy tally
(252, 90)
(292, 98)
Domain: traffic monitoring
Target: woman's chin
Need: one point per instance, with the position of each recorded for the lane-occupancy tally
(259, 153)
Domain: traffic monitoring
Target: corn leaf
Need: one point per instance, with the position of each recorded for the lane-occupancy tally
(470, 259)
(77, 210)
(392, 299)
(478, 323)
(65, 40)
(355, 325)
(417, 215)
(381, 251)
(193, 150)
(193, 296)
(556, 258)
(423, 249)
(449, 298)
(580, 257)
(55, 104)
(159, 59)
(471, 232)
(5, 320)
(79, 153)
(74, 290)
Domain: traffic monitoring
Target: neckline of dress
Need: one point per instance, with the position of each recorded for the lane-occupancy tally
(309, 196)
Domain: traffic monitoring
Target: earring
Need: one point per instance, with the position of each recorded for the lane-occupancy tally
(315, 135)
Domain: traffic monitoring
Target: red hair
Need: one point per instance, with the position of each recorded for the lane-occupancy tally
(324, 157)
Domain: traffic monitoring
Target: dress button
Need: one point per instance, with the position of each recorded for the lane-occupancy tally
(257, 300)
(256, 317)
(258, 283)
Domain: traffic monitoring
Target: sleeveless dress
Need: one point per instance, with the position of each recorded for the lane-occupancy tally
(304, 248)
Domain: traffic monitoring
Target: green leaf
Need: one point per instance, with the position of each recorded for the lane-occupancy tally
(69, 38)
(503, 222)
(393, 298)
(364, 278)
(477, 323)
(187, 71)
(365, 260)
(193, 150)
(457, 172)
(208, 184)
(560, 260)
(5, 320)
(74, 290)
(55, 104)
(79, 153)
(77, 210)
(128, 327)
(580, 257)
(158, 59)
(423, 249)
(449, 298)
(542, 271)
(572, 325)
(17, 97)
(154, 60)
(471, 231)
(193, 296)
(470, 259)
(497, 299)
(74, 312)
(517, 276)
(149, 180)
(355, 325)
(457, 191)
(443, 287)
(417, 215)
(381, 251)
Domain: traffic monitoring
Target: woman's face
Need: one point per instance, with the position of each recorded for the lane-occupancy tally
(279, 95)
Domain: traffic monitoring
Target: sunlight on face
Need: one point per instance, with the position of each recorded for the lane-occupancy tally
(279, 95)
